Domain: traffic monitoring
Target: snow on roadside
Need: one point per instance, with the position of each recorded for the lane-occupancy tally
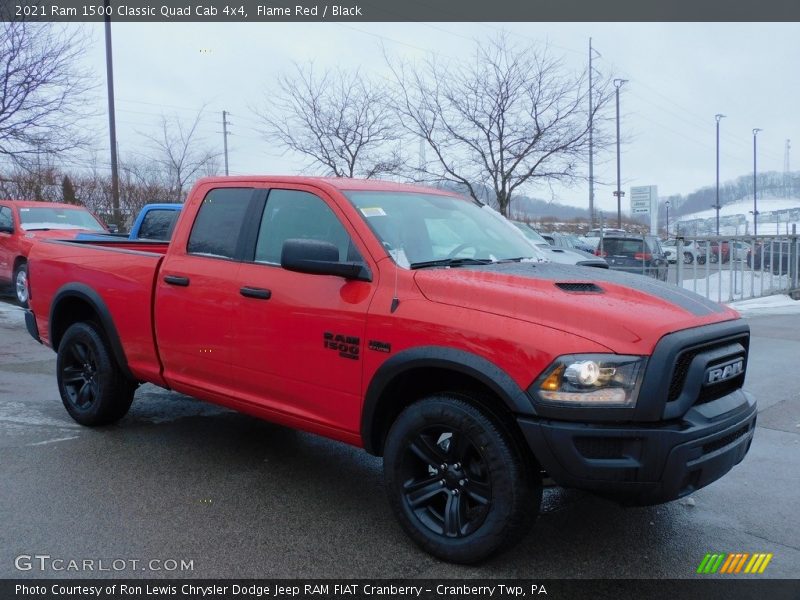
(779, 304)
(745, 284)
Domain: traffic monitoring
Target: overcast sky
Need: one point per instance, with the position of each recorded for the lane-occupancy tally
(680, 76)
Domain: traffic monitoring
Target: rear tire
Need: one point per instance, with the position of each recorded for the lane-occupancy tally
(688, 258)
(457, 482)
(93, 388)
(21, 290)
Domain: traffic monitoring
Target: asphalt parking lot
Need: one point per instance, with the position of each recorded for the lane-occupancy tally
(182, 480)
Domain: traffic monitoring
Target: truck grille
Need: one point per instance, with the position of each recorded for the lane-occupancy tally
(687, 357)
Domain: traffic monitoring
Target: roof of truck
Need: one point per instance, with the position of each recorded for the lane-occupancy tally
(340, 183)
(33, 204)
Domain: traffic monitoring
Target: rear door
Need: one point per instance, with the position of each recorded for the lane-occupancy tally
(300, 337)
(197, 292)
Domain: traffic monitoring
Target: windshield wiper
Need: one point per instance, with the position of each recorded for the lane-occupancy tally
(452, 262)
(37, 229)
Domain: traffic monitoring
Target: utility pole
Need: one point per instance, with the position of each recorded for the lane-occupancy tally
(592, 52)
(755, 195)
(618, 83)
(225, 135)
(666, 204)
(112, 122)
(717, 206)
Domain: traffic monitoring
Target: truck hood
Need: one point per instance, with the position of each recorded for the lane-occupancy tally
(627, 313)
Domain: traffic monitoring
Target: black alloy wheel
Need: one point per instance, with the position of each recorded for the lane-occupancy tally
(93, 388)
(458, 480)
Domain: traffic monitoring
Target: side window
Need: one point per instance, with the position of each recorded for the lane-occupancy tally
(292, 214)
(5, 217)
(158, 225)
(219, 221)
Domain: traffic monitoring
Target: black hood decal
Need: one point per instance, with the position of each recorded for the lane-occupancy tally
(689, 301)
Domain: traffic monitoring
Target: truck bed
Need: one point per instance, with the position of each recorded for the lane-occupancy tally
(120, 274)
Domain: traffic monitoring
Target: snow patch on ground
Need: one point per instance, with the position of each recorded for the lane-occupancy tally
(726, 286)
(779, 304)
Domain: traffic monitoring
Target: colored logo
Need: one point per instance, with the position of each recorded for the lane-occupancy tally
(735, 563)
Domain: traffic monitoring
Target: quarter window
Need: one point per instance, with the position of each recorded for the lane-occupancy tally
(219, 221)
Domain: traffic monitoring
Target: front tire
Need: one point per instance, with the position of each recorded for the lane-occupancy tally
(21, 285)
(688, 258)
(457, 482)
(92, 386)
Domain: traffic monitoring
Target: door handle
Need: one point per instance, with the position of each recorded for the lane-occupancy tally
(176, 280)
(257, 293)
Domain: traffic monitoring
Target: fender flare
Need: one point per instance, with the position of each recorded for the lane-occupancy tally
(92, 298)
(472, 365)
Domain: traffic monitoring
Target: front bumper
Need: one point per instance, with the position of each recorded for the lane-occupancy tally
(646, 463)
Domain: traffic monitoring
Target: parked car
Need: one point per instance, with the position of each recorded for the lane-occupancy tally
(691, 252)
(564, 256)
(740, 250)
(154, 222)
(776, 255)
(406, 321)
(566, 240)
(21, 223)
(641, 255)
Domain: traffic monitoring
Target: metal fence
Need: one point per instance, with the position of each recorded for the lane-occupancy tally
(721, 268)
(729, 268)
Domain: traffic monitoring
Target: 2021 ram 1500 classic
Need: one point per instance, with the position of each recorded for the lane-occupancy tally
(411, 322)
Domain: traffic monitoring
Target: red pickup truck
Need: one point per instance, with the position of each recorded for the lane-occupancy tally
(22, 222)
(418, 325)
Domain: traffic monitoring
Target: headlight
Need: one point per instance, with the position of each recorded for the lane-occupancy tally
(591, 380)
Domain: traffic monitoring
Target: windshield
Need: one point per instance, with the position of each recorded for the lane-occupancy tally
(530, 233)
(419, 228)
(58, 218)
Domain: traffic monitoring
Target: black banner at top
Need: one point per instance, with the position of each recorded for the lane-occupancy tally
(225, 11)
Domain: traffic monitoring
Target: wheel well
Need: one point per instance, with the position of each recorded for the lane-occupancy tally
(415, 384)
(69, 311)
(19, 261)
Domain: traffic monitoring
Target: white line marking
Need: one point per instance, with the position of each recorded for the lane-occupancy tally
(74, 437)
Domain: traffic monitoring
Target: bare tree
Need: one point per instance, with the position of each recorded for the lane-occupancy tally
(341, 121)
(182, 154)
(42, 90)
(510, 117)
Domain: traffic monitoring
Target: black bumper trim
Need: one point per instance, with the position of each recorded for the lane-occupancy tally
(644, 463)
(30, 325)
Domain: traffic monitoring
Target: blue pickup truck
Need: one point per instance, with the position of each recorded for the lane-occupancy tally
(155, 222)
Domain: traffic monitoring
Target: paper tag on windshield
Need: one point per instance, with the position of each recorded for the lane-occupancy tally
(374, 211)
(399, 256)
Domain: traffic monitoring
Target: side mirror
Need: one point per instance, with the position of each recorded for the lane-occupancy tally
(316, 257)
(6, 229)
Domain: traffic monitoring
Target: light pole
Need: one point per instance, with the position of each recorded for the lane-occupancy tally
(717, 206)
(618, 83)
(755, 196)
(666, 204)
